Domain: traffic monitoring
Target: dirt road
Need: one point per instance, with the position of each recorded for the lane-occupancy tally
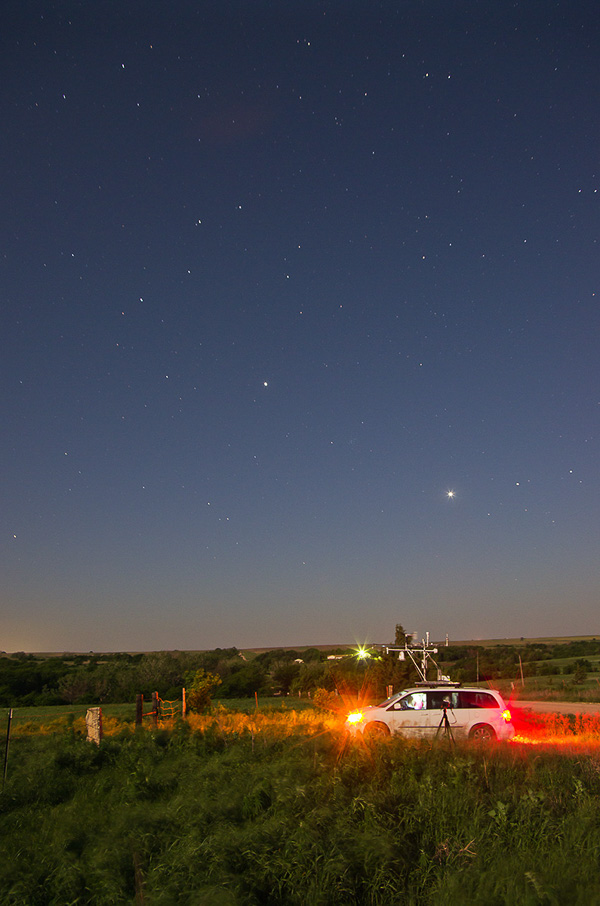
(559, 707)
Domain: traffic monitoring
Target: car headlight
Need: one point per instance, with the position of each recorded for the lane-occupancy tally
(354, 718)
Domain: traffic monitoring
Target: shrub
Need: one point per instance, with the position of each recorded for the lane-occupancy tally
(327, 701)
(199, 689)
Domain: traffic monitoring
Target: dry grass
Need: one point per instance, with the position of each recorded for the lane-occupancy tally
(278, 723)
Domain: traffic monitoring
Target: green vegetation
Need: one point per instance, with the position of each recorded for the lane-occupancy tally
(283, 811)
(569, 669)
(200, 686)
(26, 680)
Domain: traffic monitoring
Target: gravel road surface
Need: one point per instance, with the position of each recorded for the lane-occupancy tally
(559, 707)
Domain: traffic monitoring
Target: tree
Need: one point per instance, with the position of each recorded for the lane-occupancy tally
(580, 671)
(284, 675)
(245, 681)
(311, 654)
(75, 686)
(199, 689)
(401, 636)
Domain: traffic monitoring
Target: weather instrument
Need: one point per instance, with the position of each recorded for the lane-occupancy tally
(420, 656)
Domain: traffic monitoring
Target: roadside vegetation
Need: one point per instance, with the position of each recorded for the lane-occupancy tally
(278, 807)
(567, 671)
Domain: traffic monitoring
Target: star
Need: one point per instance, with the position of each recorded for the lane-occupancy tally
(450, 495)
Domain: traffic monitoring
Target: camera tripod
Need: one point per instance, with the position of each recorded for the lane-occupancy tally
(444, 725)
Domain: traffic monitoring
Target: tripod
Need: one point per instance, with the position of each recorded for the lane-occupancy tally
(444, 724)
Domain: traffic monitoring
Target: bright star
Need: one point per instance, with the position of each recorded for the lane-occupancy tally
(450, 494)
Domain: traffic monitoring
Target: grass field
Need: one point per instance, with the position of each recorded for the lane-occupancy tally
(545, 640)
(275, 806)
(55, 718)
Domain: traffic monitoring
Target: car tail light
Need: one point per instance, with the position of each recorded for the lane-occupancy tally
(506, 716)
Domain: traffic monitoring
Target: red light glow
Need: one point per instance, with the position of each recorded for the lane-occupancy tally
(560, 730)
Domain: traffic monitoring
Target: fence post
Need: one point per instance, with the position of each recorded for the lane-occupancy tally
(10, 710)
(139, 709)
(183, 704)
(521, 666)
(93, 723)
(155, 708)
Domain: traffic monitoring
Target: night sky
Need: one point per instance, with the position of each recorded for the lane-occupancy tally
(300, 329)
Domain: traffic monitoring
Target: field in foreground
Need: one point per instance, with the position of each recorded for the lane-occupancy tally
(279, 809)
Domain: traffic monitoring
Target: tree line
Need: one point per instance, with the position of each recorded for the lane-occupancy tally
(27, 679)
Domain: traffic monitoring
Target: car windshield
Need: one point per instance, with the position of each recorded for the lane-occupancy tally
(392, 698)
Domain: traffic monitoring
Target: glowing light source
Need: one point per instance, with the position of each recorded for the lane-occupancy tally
(362, 654)
(506, 716)
(450, 494)
(355, 718)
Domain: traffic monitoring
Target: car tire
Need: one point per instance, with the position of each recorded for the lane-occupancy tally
(376, 731)
(482, 733)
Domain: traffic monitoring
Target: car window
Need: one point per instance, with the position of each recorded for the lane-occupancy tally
(476, 699)
(414, 701)
(436, 699)
(389, 701)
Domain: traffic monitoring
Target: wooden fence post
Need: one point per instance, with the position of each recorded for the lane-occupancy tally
(139, 709)
(155, 708)
(10, 714)
(183, 704)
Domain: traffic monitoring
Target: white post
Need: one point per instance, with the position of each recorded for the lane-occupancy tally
(93, 723)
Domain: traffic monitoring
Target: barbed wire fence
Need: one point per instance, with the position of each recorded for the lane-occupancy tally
(163, 712)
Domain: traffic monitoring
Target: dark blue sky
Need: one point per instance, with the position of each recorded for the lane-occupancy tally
(275, 278)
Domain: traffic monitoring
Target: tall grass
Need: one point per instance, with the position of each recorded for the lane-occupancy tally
(281, 809)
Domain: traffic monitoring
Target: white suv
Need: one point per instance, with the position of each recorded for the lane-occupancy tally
(478, 714)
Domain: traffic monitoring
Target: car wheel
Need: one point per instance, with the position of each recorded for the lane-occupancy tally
(376, 731)
(482, 733)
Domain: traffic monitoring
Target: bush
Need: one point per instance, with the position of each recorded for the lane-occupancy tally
(199, 689)
(326, 700)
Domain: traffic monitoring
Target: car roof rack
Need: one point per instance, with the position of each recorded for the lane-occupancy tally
(431, 684)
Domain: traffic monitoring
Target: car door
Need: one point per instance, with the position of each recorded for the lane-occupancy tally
(439, 700)
(408, 716)
(478, 706)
